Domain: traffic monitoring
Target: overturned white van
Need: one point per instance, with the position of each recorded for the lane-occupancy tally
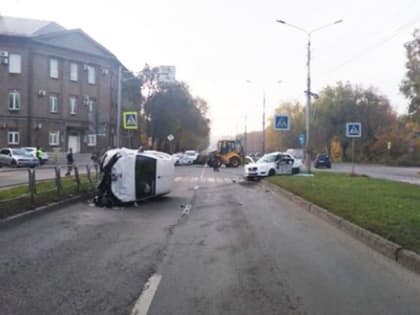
(128, 175)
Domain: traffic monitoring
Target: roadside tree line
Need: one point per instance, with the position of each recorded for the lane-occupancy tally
(386, 136)
(166, 109)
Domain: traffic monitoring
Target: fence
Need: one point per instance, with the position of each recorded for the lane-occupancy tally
(23, 189)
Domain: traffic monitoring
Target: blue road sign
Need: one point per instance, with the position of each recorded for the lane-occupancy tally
(301, 138)
(353, 130)
(281, 122)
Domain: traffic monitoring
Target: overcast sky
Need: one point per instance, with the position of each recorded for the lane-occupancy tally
(216, 45)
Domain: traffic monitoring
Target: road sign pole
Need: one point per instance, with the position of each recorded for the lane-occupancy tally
(352, 156)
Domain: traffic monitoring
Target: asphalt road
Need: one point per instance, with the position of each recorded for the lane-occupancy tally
(400, 174)
(219, 246)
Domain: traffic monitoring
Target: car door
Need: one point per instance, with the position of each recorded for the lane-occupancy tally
(284, 164)
(5, 157)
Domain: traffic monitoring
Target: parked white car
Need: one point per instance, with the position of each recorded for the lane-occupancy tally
(129, 175)
(32, 150)
(273, 164)
(16, 157)
(192, 155)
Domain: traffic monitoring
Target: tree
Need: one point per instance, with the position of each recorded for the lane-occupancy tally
(410, 85)
(173, 110)
(345, 103)
(282, 140)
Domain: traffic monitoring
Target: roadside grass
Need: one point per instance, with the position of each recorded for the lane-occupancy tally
(390, 209)
(17, 199)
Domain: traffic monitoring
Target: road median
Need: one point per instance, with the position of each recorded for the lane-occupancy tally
(382, 214)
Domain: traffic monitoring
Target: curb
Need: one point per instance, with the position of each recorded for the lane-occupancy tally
(406, 258)
(29, 214)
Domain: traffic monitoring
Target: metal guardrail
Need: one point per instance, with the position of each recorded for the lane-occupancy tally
(31, 187)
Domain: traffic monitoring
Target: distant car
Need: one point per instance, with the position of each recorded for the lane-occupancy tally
(44, 155)
(15, 157)
(273, 164)
(322, 160)
(176, 157)
(192, 155)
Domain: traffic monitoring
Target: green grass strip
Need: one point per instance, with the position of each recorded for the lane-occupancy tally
(390, 209)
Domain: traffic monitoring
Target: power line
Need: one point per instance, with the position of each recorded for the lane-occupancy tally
(374, 46)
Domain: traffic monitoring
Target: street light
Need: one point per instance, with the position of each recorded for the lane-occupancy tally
(308, 92)
(263, 116)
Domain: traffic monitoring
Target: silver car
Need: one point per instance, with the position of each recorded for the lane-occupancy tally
(16, 157)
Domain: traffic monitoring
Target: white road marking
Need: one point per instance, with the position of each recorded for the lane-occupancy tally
(194, 179)
(178, 179)
(187, 210)
(219, 180)
(146, 297)
(196, 187)
(228, 180)
(210, 179)
(203, 171)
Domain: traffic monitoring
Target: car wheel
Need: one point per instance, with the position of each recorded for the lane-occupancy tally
(271, 172)
(13, 163)
(234, 162)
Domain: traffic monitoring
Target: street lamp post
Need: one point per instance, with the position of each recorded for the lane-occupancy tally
(308, 92)
(263, 116)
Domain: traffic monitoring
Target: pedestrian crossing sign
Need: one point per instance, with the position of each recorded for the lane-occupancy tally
(281, 122)
(130, 120)
(353, 130)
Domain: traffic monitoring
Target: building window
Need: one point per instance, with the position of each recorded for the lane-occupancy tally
(13, 137)
(73, 105)
(54, 68)
(91, 105)
(15, 63)
(91, 75)
(14, 100)
(53, 104)
(54, 138)
(74, 72)
(91, 140)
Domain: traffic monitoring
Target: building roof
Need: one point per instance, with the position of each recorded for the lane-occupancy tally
(27, 27)
(51, 33)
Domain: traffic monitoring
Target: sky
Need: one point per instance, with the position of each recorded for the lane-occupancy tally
(219, 45)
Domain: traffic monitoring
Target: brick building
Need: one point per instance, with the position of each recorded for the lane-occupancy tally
(58, 87)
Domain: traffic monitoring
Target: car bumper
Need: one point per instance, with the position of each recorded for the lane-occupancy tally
(27, 163)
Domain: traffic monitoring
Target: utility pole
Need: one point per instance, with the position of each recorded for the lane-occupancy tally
(263, 126)
(119, 107)
(308, 87)
(308, 107)
(245, 136)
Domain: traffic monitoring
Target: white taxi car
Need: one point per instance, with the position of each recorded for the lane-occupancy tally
(273, 164)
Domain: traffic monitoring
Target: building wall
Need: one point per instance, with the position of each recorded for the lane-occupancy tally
(34, 121)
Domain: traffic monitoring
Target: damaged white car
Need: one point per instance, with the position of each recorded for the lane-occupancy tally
(128, 175)
(273, 164)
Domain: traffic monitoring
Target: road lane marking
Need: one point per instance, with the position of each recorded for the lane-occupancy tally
(187, 210)
(210, 179)
(219, 180)
(203, 171)
(227, 180)
(146, 297)
(178, 179)
(196, 187)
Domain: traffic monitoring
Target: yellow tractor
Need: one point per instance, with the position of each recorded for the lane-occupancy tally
(229, 152)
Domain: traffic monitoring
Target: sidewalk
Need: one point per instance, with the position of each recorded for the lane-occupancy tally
(60, 158)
